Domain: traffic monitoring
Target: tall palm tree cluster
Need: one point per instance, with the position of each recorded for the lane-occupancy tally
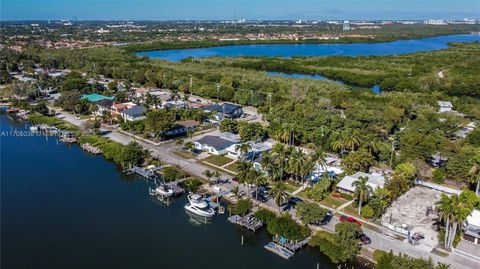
(453, 211)
(286, 162)
(282, 163)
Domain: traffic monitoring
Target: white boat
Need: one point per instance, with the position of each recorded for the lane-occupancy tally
(199, 206)
(162, 190)
(34, 128)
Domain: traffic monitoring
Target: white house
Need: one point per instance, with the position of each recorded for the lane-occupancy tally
(374, 181)
(472, 227)
(134, 113)
(256, 149)
(213, 144)
(444, 106)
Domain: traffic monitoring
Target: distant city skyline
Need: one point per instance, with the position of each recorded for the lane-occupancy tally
(231, 9)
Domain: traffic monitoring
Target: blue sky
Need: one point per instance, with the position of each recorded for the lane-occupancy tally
(248, 9)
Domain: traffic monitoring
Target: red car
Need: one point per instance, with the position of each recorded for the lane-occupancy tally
(349, 219)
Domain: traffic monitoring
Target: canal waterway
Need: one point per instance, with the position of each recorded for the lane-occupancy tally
(64, 208)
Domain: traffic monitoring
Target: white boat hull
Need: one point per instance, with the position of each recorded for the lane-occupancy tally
(208, 212)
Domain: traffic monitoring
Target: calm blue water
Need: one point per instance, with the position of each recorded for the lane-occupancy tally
(63, 208)
(374, 89)
(290, 50)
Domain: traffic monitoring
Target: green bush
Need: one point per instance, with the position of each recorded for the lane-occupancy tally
(284, 226)
(439, 176)
(192, 184)
(171, 174)
(241, 208)
(367, 212)
(320, 190)
(310, 213)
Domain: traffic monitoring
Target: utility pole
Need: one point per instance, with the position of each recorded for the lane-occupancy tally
(218, 90)
(391, 154)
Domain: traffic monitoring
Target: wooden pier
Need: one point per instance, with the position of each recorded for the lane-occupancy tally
(146, 172)
(247, 221)
(91, 149)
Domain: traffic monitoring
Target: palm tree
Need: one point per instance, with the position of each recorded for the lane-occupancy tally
(208, 174)
(446, 212)
(244, 173)
(339, 145)
(474, 173)
(295, 162)
(216, 175)
(460, 214)
(175, 96)
(454, 212)
(352, 140)
(362, 191)
(372, 146)
(257, 179)
(307, 168)
(441, 265)
(243, 148)
(278, 192)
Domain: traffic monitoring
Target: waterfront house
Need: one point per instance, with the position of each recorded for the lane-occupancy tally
(472, 227)
(133, 114)
(444, 106)
(182, 127)
(225, 110)
(374, 181)
(103, 105)
(213, 144)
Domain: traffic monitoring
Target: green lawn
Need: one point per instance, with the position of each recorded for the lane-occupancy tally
(218, 160)
(291, 187)
(185, 154)
(333, 202)
(233, 167)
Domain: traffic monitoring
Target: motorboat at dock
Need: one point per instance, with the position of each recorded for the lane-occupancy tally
(198, 206)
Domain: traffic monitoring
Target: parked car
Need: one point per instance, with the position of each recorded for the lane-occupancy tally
(365, 239)
(328, 217)
(349, 219)
(294, 200)
(415, 238)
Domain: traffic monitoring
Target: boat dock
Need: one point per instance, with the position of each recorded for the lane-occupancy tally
(91, 149)
(68, 137)
(177, 190)
(289, 244)
(279, 250)
(146, 172)
(247, 221)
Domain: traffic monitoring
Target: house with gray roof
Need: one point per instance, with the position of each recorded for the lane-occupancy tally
(374, 181)
(213, 144)
(134, 113)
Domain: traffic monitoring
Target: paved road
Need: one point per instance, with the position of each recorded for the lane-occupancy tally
(165, 153)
